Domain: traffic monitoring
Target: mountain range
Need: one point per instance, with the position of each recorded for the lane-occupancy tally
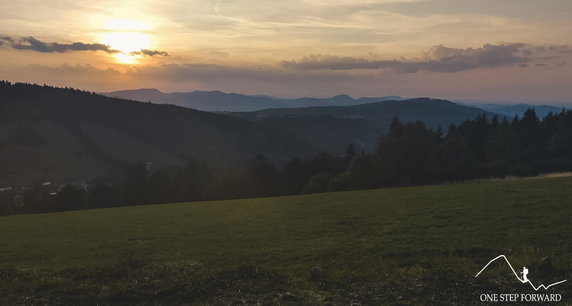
(217, 101)
(64, 135)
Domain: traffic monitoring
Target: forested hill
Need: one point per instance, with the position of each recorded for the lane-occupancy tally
(57, 137)
(69, 135)
(66, 134)
(233, 102)
(362, 124)
(433, 112)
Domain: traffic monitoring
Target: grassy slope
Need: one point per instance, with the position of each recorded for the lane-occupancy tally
(380, 246)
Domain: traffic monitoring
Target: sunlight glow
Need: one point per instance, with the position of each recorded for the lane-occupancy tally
(126, 36)
(123, 58)
(126, 42)
(126, 25)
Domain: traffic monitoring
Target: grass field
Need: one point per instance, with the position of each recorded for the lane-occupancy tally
(415, 245)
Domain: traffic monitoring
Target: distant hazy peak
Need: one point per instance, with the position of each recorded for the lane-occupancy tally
(141, 91)
(216, 100)
(343, 97)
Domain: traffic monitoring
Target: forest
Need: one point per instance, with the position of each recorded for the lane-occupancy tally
(409, 154)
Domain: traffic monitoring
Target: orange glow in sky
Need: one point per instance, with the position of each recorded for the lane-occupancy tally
(520, 51)
(125, 36)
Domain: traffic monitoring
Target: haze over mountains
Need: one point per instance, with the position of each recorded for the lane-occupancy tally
(217, 101)
(519, 109)
(66, 135)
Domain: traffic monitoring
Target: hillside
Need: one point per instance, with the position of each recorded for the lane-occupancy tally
(433, 112)
(66, 135)
(363, 123)
(416, 245)
(218, 101)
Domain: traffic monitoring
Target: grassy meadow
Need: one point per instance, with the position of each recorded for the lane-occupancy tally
(413, 245)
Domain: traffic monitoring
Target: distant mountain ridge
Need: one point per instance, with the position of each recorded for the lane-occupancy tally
(333, 126)
(511, 110)
(217, 101)
(406, 110)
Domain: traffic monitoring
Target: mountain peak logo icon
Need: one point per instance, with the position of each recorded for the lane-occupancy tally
(524, 279)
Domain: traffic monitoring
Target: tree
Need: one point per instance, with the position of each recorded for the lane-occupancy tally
(349, 154)
(395, 125)
(263, 176)
(7, 205)
(498, 152)
(161, 188)
(136, 185)
(195, 183)
(36, 200)
(294, 176)
(530, 138)
(364, 171)
(69, 198)
(103, 196)
(319, 182)
(409, 154)
(458, 159)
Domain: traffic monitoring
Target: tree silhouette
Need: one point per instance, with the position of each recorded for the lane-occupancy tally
(136, 185)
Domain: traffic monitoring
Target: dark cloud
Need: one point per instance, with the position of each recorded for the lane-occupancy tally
(33, 44)
(150, 53)
(7, 39)
(437, 59)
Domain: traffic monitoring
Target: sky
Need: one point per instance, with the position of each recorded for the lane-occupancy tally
(479, 50)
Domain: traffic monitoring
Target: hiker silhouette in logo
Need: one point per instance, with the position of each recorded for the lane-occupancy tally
(524, 275)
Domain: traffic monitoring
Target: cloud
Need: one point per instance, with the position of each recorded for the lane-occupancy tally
(150, 53)
(437, 59)
(33, 44)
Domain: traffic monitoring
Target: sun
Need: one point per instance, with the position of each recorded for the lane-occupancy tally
(125, 36)
(126, 43)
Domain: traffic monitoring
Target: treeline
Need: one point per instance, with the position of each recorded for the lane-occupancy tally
(27, 87)
(195, 182)
(479, 148)
(410, 154)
